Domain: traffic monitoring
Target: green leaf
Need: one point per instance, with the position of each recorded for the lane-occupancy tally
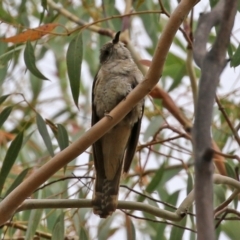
(175, 68)
(177, 232)
(83, 235)
(10, 158)
(154, 183)
(36, 86)
(17, 181)
(160, 231)
(30, 61)
(44, 4)
(236, 58)
(189, 183)
(104, 230)
(172, 199)
(33, 223)
(44, 133)
(231, 229)
(153, 126)
(3, 98)
(4, 115)
(62, 137)
(58, 229)
(156, 179)
(230, 169)
(74, 62)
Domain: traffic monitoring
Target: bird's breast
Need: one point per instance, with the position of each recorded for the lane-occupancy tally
(114, 82)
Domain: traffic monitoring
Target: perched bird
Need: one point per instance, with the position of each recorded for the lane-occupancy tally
(118, 75)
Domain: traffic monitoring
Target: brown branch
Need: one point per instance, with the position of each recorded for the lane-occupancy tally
(211, 63)
(226, 211)
(225, 203)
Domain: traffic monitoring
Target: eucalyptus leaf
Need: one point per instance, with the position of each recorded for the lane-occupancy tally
(74, 62)
(42, 128)
(10, 158)
(30, 61)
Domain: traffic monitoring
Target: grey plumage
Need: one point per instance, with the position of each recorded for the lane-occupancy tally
(113, 153)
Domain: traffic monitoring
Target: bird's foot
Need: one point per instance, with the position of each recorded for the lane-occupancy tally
(106, 114)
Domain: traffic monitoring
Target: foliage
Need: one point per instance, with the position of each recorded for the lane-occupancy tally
(38, 42)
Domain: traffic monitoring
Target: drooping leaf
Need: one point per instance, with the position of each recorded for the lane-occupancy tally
(62, 137)
(74, 62)
(231, 229)
(4, 115)
(230, 169)
(154, 182)
(17, 181)
(236, 58)
(156, 179)
(104, 230)
(29, 59)
(83, 235)
(58, 229)
(10, 158)
(31, 34)
(177, 232)
(189, 183)
(44, 5)
(44, 133)
(33, 223)
(3, 98)
(153, 126)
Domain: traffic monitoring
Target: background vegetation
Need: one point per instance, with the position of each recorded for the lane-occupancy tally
(39, 118)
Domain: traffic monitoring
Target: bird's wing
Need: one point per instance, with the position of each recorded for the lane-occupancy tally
(132, 143)
(97, 149)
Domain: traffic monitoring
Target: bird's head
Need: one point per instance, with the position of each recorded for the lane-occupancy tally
(114, 50)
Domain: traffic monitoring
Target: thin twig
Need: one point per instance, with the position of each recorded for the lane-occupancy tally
(157, 221)
(221, 108)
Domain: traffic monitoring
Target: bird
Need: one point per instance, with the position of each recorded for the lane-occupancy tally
(117, 76)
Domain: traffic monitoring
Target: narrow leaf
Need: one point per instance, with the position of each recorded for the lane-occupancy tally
(131, 232)
(33, 223)
(177, 232)
(4, 115)
(3, 98)
(83, 235)
(62, 137)
(74, 62)
(236, 58)
(44, 133)
(29, 59)
(104, 230)
(154, 183)
(10, 158)
(156, 179)
(58, 230)
(17, 181)
(31, 34)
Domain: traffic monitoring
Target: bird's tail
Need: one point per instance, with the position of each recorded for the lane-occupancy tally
(105, 198)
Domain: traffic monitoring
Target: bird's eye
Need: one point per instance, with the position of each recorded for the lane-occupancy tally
(107, 52)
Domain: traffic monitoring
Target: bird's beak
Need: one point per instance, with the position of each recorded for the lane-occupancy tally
(116, 38)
